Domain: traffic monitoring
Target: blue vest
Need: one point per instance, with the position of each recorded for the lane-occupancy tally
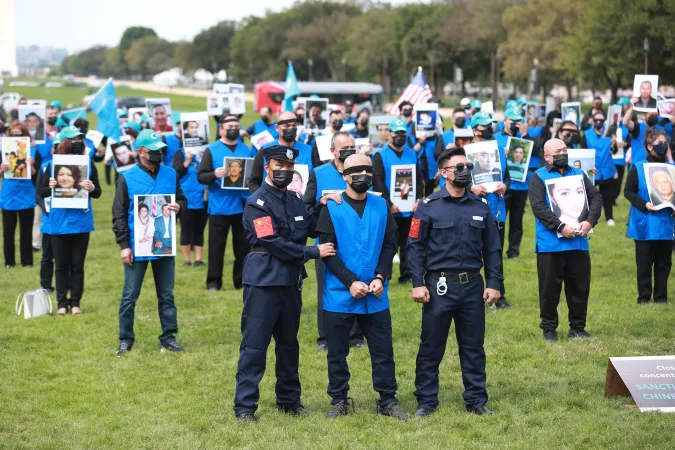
(327, 179)
(44, 224)
(502, 139)
(71, 221)
(141, 183)
(261, 126)
(360, 242)
(226, 202)
(193, 190)
(390, 158)
(172, 146)
(547, 240)
(45, 150)
(92, 149)
(650, 225)
(638, 151)
(603, 155)
(495, 201)
(16, 195)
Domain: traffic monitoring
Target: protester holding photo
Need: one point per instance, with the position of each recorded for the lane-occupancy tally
(173, 141)
(606, 172)
(336, 122)
(361, 129)
(459, 122)
(47, 261)
(638, 132)
(651, 229)
(265, 123)
(148, 177)
(17, 198)
(70, 228)
(562, 259)
(226, 206)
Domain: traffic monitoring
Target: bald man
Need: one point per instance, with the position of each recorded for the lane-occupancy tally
(562, 249)
(355, 285)
(287, 130)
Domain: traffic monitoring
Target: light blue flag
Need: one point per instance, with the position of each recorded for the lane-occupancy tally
(104, 105)
(73, 114)
(292, 89)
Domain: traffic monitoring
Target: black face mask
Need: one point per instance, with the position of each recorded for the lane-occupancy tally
(660, 149)
(361, 183)
(51, 121)
(155, 157)
(460, 122)
(232, 134)
(84, 130)
(651, 121)
(282, 178)
(560, 161)
(598, 124)
(346, 153)
(487, 133)
(337, 124)
(407, 113)
(513, 128)
(462, 178)
(77, 148)
(289, 134)
(265, 119)
(399, 140)
(571, 140)
(363, 122)
(301, 119)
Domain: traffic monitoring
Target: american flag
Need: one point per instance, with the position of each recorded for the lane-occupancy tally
(416, 93)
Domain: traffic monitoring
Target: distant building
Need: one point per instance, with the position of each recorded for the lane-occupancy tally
(8, 65)
(33, 56)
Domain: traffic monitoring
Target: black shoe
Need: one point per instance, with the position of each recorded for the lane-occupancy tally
(339, 409)
(393, 409)
(480, 411)
(503, 304)
(321, 347)
(28, 266)
(238, 287)
(512, 255)
(357, 343)
(661, 302)
(171, 346)
(404, 280)
(198, 264)
(425, 412)
(643, 302)
(551, 336)
(578, 334)
(125, 347)
(299, 411)
(49, 289)
(187, 264)
(212, 287)
(247, 417)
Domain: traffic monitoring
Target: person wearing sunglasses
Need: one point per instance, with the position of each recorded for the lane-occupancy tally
(452, 237)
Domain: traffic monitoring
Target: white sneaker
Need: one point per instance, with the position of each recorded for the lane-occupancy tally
(396, 259)
(611, 223)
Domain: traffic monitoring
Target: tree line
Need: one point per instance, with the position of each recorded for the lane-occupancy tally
(593, 44)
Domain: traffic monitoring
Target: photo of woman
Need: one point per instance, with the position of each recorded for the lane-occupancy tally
(68, 180)
(567, 199)
(154, 226)
(145, 230)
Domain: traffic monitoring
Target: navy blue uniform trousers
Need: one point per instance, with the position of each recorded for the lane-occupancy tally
(269, 311)
(464, 304)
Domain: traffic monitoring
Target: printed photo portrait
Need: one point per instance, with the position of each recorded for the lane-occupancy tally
(195, 128)
(300, 177)
(535, 113)
(34, 117)
(425, 118)
(70, 171)
(123, 155)
(237, 103)
(614, 118)
(378, 131)
(213, 107)
(402, 186)
(238, 172)
(572, 111)
(159, 112)
(645, 88)
(567, 199)
(135, 114)
(154, 226)
(262, 138)
(583, 159)
(316, 113)
(236, 88)
(667, 108)
(660, 181)
(487, 168)
(518, 158)
(463, 137)
(15, 153)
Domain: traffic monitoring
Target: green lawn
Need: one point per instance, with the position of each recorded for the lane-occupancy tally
(62, 387)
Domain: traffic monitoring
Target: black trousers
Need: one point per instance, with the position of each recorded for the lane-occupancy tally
(573, 268)
(355, 335)
(656, 256)
(47, 262)
(608, 191)
(619, 180)
(501, 230)
(403, 224)
(515, 208)
(107, 174)
(219, 227)
(24, 217)
(192, 224)
(377, 329)
(70, 251)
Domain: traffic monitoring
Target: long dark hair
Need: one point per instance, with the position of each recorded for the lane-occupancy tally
(76, 173)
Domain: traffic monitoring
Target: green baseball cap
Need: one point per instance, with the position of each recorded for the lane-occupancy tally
(510, 104)
(522, 101)
(513, 114)
(475, 103)
(623, 101)
(145, 118)
(57, 139)
(150, 139)
(70, 132)
(397, 125)
(481, 118)
(134, 126)
(55, 104)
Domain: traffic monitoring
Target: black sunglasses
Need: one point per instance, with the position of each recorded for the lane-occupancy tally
(460, 167)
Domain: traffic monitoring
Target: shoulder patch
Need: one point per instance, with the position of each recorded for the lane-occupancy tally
(260, 202)
(483, 200)
(414, 229)
(263, 227)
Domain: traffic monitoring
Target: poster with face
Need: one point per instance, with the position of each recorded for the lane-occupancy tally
(237, 103)
(70, 171)
(572, 111)
(195, 129)
(660, 181)
(463, 137)
(34, 117)
(402, 181)
(425, 118)
(136, 113)
(316, 114)
(667, 108)
(237, 173)
(363, 145)
(613, 120)
(159, 112)
(262, 138)
(122, 154)
(213, 107)
(236, 88)
(535, 113)
(518, 157)
(583, 159)
(96, 137)
(645, 88)
(15, 153)
(487, 168)
(154, 225)
(221, 88)
(300, 177)
(378, 131)
(567, 199)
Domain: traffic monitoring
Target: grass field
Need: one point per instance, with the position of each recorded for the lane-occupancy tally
(62, 387)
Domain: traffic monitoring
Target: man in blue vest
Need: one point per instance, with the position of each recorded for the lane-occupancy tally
(277, 226)
(226, 206)
(265, 123)
(396, 153)
(562, 250)
(638, 131)
(453, 235)
(458, 123)
(148, 177)
(355, 286)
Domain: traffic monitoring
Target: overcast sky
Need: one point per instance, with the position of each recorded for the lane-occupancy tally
(78, 24)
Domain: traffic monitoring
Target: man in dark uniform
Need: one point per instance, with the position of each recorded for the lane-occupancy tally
(355, 287)
(276, 225)
(452, 234)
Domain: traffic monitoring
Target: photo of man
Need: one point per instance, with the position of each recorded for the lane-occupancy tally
(160, 115)
(123, 156)
(191, 135)
(518, 158)
(163, 240)
(34, 116)
(644, 92)
(486, 167)
(237, 174)
(314, 119)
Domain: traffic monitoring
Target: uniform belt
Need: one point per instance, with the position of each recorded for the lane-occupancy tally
(454, 277)
(258, 249)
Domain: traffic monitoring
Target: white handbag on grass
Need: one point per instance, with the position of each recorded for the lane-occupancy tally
(35, 303)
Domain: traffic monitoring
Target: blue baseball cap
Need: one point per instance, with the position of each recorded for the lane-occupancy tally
(144, 118)
(476, 104)
(56, 104)
(57, 139)
(397, 125)
(513, 114)
(623, 101)
(150, 139)
(510, 104)
(280, 152)
(522, 101)
(134, 126)
(70, 132)
(481, 118)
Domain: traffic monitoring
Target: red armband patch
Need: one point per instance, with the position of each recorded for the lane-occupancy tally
(414, 229)
(263, 226)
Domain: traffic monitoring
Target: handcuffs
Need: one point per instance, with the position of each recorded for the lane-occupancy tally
(442, 285)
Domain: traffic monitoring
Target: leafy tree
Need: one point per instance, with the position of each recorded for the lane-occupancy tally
(87, 62)
(130, 35)
(210, 47)
(149, 55)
